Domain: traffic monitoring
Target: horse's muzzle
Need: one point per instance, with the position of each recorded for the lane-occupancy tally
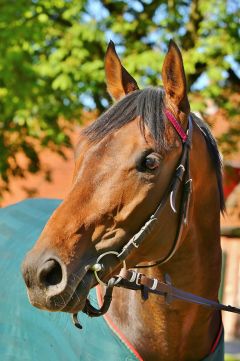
(52, 285)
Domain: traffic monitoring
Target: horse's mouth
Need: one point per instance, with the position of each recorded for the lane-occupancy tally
(72, 299)
(79, 296)
(71, 294)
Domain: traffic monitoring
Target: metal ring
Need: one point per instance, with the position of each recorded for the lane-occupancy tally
(97, 262)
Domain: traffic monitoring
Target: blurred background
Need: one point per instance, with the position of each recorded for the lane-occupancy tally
(52, 83)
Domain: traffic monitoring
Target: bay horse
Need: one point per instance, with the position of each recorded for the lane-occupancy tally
(124, 163)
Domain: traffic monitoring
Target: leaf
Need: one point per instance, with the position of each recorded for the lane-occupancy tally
(62, 82)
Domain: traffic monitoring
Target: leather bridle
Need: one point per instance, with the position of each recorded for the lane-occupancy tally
(181, 176)
(181, 179)
(131, 279)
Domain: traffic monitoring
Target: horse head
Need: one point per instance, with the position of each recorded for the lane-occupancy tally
(124, 163)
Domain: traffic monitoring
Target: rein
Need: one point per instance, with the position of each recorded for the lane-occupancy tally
(133, 280)
(136, 281)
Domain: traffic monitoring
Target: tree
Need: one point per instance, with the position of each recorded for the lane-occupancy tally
(51, 63)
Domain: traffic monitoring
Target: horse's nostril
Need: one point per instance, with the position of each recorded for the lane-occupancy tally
(50, 273)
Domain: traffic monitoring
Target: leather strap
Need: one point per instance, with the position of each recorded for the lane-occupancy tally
(182, 173)
(176, 125)
(134, 280)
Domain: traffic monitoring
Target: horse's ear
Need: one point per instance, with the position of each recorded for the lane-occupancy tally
(119, 81)
(174, 79)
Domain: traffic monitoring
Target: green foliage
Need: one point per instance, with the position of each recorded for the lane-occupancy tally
(51, 62)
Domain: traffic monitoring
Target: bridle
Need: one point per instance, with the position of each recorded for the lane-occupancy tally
(181, 175)
(134, 280)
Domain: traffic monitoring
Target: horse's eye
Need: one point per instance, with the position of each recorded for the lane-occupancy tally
(152, 162)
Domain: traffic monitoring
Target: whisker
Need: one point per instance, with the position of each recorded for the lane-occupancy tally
(74, 293)
(64, 302)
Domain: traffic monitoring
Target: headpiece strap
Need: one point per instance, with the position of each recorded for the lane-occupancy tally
(176, 125)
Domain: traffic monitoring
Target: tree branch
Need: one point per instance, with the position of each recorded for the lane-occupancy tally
(190, 38)
(233, 79)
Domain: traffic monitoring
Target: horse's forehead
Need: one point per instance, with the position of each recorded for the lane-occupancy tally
(124, 141)
(130, 137)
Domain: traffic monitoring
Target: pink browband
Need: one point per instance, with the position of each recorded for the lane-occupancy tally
(176, 125)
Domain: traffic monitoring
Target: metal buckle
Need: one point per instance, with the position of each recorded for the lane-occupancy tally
(138, 278)
(155, 283)
(134, 275)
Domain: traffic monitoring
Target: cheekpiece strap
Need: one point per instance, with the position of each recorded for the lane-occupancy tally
(176, 125)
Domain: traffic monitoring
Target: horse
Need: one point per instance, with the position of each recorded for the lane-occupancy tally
(124, 163)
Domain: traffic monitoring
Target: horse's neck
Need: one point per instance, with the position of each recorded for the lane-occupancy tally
(181, 331)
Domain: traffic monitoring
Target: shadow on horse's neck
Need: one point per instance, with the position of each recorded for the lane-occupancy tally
(181, 331)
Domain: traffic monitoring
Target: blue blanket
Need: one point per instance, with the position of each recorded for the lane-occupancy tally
(26, 333)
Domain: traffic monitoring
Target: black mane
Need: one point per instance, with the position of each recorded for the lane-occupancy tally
(148, 104)
(214, 154)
